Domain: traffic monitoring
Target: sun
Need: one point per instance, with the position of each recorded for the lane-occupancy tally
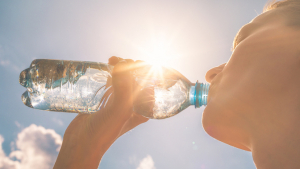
(159, 51)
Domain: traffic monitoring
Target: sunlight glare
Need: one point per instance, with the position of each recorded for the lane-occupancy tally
(159, 52)
(159, 96)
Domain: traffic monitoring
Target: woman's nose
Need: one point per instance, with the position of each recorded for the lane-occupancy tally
(210, 75)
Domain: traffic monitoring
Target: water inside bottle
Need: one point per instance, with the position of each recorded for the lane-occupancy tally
(66, 86)
(169, 102)
(167, 93)
(84, 87)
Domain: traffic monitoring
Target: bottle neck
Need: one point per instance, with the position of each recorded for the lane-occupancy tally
(198, 94)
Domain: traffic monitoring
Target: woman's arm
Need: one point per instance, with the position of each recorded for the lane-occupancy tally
(89, 136)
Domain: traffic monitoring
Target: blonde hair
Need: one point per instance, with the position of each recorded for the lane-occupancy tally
(292, 11)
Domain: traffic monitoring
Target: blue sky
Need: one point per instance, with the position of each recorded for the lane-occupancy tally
(190, 36)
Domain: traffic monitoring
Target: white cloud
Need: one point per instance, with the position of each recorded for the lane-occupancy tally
(58, 121)
(5, 162)
(37, 148)
(8, 59)
(17, 124)
(4, 62)
(146, 163)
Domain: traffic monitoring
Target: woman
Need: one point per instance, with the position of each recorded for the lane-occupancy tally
(253, 102)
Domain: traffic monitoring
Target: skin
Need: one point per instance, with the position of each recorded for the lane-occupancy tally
(253, 102)
(89, 136)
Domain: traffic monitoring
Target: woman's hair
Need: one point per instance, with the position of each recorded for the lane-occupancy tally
(292, 11)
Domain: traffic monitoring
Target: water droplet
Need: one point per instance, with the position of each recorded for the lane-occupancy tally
(30, 90)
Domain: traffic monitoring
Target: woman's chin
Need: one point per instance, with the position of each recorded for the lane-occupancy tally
(210, 119)
(215, 119)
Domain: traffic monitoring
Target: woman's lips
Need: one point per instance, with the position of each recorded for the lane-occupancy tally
(210, 92)
(214, 83)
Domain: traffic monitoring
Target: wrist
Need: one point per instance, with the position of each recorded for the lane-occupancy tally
(80, 153)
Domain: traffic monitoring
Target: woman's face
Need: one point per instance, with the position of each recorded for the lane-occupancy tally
(245, 90)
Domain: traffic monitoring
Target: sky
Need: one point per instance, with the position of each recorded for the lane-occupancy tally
(191, 36)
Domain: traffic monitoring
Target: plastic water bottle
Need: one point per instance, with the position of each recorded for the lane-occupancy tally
(85, 87)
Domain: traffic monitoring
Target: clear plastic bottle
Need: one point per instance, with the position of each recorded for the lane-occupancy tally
(85, 87)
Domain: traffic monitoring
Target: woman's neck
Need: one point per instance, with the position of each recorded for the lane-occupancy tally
(277, 145)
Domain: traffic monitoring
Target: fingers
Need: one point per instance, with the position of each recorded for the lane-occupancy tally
(114, 60)
(125, 88)
(122, 82)
(135, 64)
(145, 101)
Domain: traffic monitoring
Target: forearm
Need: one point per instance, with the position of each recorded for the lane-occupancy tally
(80, 155)
(88, 137)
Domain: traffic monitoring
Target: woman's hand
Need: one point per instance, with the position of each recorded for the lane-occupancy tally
(89, 136)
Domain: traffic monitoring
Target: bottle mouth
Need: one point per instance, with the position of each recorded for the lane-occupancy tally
(198, 94)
